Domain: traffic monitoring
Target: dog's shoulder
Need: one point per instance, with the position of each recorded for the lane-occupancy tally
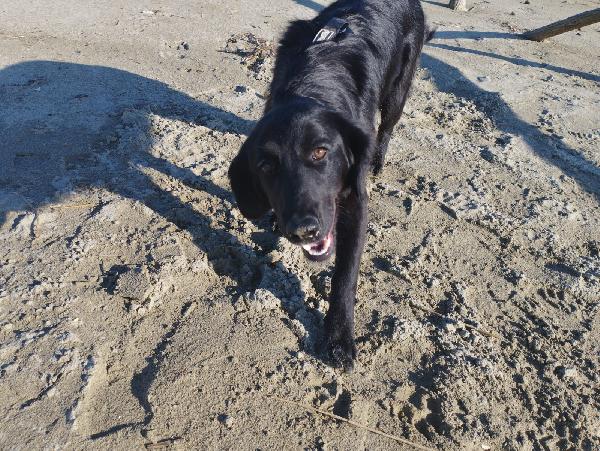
(299, 35)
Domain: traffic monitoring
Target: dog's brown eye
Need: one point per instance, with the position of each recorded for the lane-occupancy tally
(318, 153)
(267, 166)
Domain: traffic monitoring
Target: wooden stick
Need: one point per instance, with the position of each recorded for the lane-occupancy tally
(162, 444)
(562, 26)
(73, 205)
(458, 5)
(353, 423)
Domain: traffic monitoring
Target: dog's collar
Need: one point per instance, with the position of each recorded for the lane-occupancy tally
(332, 29)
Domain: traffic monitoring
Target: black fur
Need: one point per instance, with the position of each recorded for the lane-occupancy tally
(326, 95)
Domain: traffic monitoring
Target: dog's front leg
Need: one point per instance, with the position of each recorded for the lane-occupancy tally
(350, 237)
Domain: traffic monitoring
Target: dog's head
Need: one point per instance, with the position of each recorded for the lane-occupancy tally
(297, 161)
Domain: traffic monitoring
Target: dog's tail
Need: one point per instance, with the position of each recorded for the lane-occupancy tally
(429, 32)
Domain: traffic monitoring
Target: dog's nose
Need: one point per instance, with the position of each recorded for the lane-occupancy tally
(302, 229)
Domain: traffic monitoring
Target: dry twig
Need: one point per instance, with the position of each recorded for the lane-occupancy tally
(350, 422)
(73, 205)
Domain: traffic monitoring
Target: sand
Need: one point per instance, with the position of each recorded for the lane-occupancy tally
(139, 309)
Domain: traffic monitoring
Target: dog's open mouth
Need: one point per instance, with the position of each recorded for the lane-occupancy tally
(319, 250)
(320, 247)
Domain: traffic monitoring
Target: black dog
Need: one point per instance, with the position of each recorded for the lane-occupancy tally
(309, 156)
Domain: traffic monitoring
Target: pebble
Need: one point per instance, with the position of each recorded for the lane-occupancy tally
(432, 282)
(464, 333)
(226, 420)
(567, 373)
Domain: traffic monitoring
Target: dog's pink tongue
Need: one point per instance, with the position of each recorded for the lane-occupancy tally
(320, 247)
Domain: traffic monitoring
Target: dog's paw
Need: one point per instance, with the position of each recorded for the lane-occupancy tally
(342, 351)
(376, 167)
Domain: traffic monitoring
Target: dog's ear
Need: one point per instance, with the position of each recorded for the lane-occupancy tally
(250, 197)
(358, 144)
(429, 32)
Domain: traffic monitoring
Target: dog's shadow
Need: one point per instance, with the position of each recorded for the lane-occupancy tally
(570, 161)
(54, 121)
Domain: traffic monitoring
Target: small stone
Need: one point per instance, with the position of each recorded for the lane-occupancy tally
(226, 420)
(432, 282)
(183, 46)
(567, 373)
(450, 327)
(464, 333)
(483, 78)
(241, 89)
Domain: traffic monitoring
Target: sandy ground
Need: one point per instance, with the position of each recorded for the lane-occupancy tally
(139, 309)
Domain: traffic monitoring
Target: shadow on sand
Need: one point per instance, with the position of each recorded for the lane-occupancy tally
(54, 121)
(519, 61)
(551, 149)
(311, 4)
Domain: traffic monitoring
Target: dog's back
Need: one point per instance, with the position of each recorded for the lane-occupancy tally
(355, 71)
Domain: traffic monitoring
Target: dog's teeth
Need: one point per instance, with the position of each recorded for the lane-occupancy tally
(310, 248)
(318, 248)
